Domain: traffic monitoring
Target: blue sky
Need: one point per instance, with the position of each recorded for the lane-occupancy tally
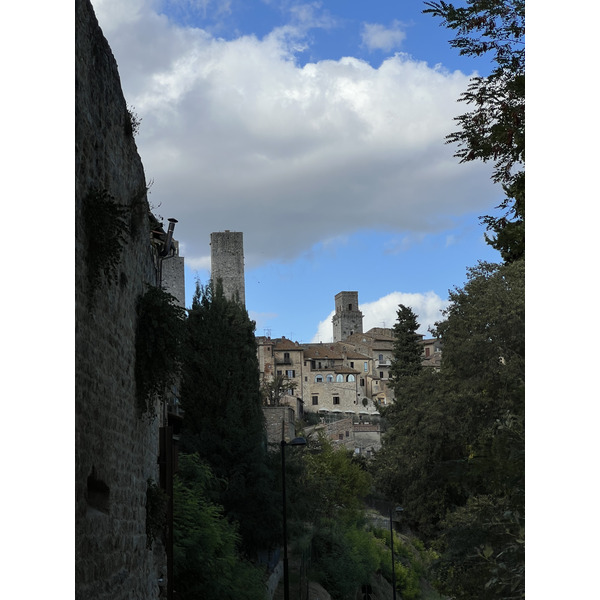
(317, 129)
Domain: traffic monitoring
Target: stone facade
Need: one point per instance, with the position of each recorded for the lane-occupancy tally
(279, 421)
(227, 263)
(115, 449)
(347, 318)
(173, 275)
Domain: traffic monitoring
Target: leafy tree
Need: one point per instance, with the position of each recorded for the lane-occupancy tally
(454, 451)
(345, 557)
(332, 481)
(223, 419)
(272, 391)
(495, 129)
(207, 562)
(407, 350)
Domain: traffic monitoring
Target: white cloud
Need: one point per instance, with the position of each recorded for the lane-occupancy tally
(237, 135)
(383, 313)
(379, 37)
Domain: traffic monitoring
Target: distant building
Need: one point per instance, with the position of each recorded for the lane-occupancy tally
(227, 263)
(347, 319)
(347, 377)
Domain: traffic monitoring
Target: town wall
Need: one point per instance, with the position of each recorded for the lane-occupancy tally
(115, 448)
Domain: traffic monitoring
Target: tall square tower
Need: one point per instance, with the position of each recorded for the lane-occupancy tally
(227, 263)
(347, 318)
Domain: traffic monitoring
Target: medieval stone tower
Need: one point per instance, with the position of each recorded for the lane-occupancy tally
(347, 319)
(227, 263)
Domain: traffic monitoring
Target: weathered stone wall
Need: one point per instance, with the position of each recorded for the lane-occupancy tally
(115, 450)
(227, 263)
(173, 276)
(274, 416)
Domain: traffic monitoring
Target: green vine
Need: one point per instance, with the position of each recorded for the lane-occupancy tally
(156, 512)
(157, 347)
(106, 231)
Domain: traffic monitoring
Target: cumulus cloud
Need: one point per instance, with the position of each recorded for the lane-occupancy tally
(382, 313)
(378, 37)
(236, 134)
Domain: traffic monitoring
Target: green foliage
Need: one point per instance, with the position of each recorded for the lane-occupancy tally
(156, 512)
(453, 454)
(223, 421)
(272, 391)
(158, 342)
(345, 557)
(106, 230)
(412, 564)
(407, 350)
(333, 483)
(484, 550)
(495, 129)
(207, 561)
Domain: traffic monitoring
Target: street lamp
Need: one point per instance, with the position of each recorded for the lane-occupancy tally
(299, 441)
(399, 509)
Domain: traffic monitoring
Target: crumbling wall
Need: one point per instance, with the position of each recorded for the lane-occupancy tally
(115, 448)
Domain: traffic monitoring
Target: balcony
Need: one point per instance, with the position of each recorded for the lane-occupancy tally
(283, 361)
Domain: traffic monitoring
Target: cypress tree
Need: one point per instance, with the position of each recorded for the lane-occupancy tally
(407, 350)
(223, 421)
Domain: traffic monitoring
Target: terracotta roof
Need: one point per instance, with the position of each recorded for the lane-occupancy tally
(285, 344)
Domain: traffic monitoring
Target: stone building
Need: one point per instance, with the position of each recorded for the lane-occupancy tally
(227, 263)
(117, 451)
(350, 376)
(347, 319)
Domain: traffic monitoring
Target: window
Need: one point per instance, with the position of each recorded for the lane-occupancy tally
(339, 378)
(351, 378)
(381, 358)
(427, 350)
(279, 372)
(351, 365)
(366, 367)
(341, 436)
(362, 381)
(319, 379)
(347, 434)
(290, 373)
(381, 374)
(336, 399)
(329, 378)
(349, 306)
(305, 378)
(315, 400)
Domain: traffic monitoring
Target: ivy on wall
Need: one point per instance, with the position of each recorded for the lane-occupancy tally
(106, 231)
(157, 346)
(156, 512)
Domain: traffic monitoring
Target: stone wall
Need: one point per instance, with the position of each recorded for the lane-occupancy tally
(115, 449)
(274, 417)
